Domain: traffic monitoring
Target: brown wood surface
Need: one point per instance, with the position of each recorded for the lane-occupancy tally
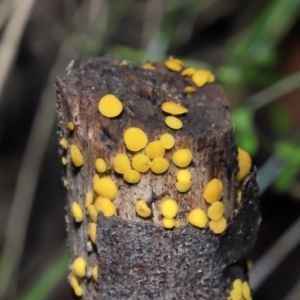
(138, 258)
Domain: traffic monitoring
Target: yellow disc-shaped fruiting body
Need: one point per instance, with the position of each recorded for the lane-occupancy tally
(167, 140)
(106, 206)
(110, 106)
(174, 64)
(64, 160)
(76, 156)
(188, 72)
(173, 122)
(245, 163)
(95, 273)
(93, 232)
(71, 126)
(246, 291)
(235, 294)
(213, 191)
(148, 66)
(92, 213)
(183, 187)
(169, 208)
(142, 209)
(121, 163)
(78, 291)
(173, 108)
(132, 176)
(135, 139)
(189, 89)
(215, 211)
(79, 267)
(141, 163)
(89, 197)
(200, 77)
(168, 223)
(100, 165)
(197, 217)
(74, 283)
(159, 165)
(64, 143)
(182, 158)
(77, 212)
(155, 149)
(218, 226)
(105, 187)
(184, 175)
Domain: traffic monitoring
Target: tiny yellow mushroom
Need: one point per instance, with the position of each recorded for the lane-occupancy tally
(183, 187)
(110, 106)
(183, 175)
(173, 65)
(142, 209)
(100, 165)
(135, 139)
(64, 160)
(64, 143)
(132, 176)
(92, 213)
(79, 267)
(95, 273)
(155, 149)
(76, 156)
(169, 208)
(124, 63)
(245, 163)
(218, 226)
(182, 158)
(211, 77)
(237, 284)
(121, 163)
(236, 294)
(188, 72)
(189, 89)
(159, 165)
(173, 108)
(78, 291)
(141, 163)
(213, 191)
(148, 66)
(93, 232)
(77, 212)
(105, 187)
(71, 126)
(200, 77)
(197, 217)
(105, 206)
(215, 211)
(74, 283)
(246, 291)
(173, 122)
(168, 223)
(167, 140)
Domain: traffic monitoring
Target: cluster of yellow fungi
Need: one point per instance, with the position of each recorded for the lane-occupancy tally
(240, 291)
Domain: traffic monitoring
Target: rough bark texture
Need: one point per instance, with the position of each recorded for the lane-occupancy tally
(138, 258)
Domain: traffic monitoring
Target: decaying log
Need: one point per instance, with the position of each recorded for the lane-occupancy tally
(137, 257)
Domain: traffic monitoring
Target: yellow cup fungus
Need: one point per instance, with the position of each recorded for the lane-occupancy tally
(188, 72)
(77, 212)
(197, 217)
(215, 211)
(142, 209)
(132, 176)
(71, 126)
(121, 163)
(79, 267)
(76, 156)
(237, 284)
(93, 232)
(173, 108)
(169, 208)
(159, 165)
(65, 182)
(78, 291)
(95, 273)
(189, 89)
(213, 191)
(135, 139)
(245, 163)
(110, 106)
(184, 175)
(174, 64)
(77, 288)
(246, 291)
(141, 163)
(105, 206)
(183, 187)
(218, 226)
(167, 140)
(64, 160)
(105, 187)
(95, 178)
(64, 143)
(100, 165)
(92, 213)
(182, 158)
(168, 223)
(236, 294)
(155, 149)
(200, 77)
(148, 66)
(173, 122)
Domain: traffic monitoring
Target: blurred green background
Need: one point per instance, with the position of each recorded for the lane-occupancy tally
(252, 47)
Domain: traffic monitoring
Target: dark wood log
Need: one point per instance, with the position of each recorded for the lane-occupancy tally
(137, 257)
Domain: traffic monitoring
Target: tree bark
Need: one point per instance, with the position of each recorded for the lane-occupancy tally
(138, 258)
